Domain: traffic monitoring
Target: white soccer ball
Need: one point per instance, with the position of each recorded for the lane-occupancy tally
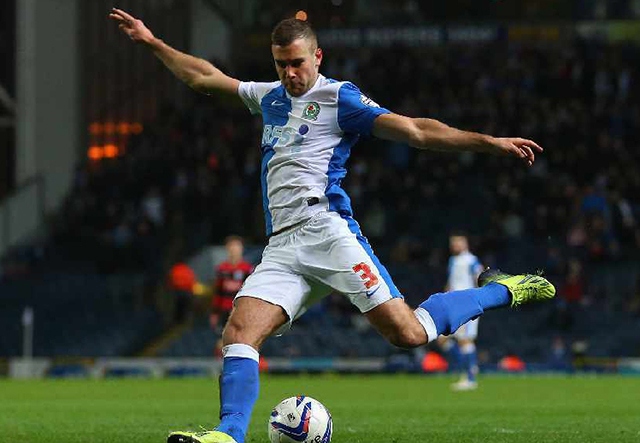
(301, 420)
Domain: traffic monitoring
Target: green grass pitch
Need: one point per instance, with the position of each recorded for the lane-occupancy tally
(385, 409)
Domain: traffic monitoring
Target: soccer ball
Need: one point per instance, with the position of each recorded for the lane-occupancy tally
(301, 420)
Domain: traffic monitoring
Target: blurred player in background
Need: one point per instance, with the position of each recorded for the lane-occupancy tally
(182, 282)
(310, 124)
(230, 276)
(463, 272)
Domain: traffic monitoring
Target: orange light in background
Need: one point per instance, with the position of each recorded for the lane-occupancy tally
(95, 128)
(124, 128)
(110, 151)
(136, 128)
(95, 153)
(109, 128)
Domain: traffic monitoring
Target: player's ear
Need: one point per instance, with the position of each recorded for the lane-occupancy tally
(318, 57)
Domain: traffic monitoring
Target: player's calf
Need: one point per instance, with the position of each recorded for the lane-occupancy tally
(408, 338)
(396, 322)
(251, 322)
(444, 313)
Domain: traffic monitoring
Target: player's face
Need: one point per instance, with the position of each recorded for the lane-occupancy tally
(458, 244)
(235, 249)
(297, 65)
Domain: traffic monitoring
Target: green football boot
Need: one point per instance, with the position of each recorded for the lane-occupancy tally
(200, 437)
(524, 288)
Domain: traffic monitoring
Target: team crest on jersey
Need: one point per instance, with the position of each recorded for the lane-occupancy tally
(311, 111)
(368, 102)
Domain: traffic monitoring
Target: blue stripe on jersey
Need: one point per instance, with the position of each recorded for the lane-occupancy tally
(339, 201)
(355, 118)
(277, 115)
(356, 112)
(355, 228)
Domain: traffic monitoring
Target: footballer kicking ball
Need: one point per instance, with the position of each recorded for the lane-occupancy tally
(300, 419)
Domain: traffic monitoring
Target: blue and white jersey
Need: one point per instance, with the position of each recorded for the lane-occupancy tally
(463, 271)
(306, 142)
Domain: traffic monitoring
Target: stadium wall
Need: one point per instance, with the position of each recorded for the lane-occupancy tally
(210, 36)
(47, 108)
(48, 94)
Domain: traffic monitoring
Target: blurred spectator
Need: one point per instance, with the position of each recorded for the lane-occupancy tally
(230, 276)
(573, 289)
(601, 243)
(559, 358)
(624, 220)
(182, 280)
(153, 206)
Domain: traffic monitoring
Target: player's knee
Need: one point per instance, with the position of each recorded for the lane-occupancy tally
(240, 329)
(237, 332)
(231, 333)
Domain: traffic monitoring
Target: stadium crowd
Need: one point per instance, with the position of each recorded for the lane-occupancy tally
(193, 174)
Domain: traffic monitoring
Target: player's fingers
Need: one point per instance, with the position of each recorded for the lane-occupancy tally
(529, 159)
(123, 14)
(515, 150)
(528, 152)
(117, 17)
(532, 145)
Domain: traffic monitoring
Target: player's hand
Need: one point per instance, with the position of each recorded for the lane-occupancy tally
(519, 147)
(134, 28)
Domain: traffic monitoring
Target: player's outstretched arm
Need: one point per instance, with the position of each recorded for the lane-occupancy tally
(197, 73)
(425, 133)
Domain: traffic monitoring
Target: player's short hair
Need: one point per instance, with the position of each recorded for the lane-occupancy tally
(291, 29)
(458, 233)
(231, 238)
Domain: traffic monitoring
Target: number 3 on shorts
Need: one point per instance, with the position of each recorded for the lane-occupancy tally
(364, 271)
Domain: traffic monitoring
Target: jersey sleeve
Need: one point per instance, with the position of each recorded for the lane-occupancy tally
(252, 94)
(356, 111)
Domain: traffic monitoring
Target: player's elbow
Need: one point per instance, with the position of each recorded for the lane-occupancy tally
(427, 133)
(420, 137)
(197, 83)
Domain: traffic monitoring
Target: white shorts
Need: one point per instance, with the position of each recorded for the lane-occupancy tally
(468, 331)
(324, 254)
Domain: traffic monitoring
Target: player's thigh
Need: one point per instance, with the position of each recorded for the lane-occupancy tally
(396, 321)
(252, 320)
(276, 284)
(334, 252)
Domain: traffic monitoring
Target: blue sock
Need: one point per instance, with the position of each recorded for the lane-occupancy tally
(451, 310)
(470, 361)
(453, 355)
(472, 365)
(493, 296)
(239, 386)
